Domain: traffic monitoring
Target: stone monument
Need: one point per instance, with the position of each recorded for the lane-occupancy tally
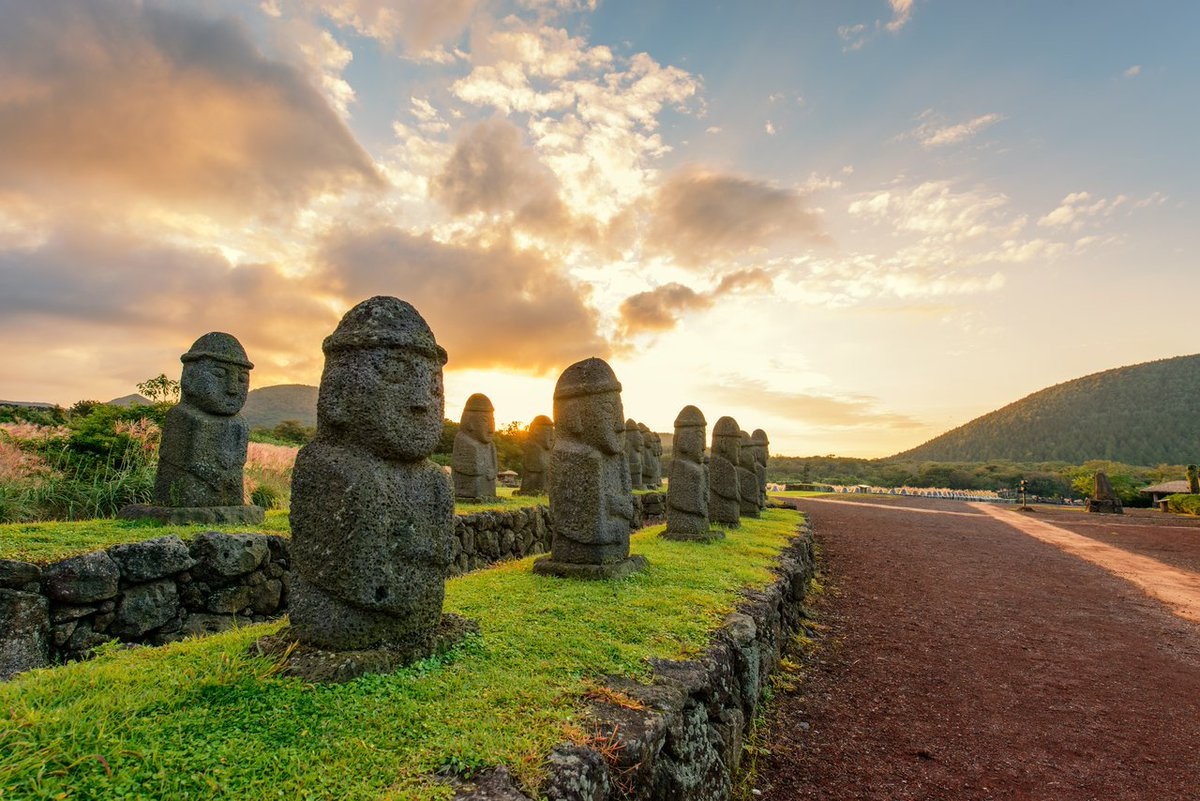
(761, 454)
(747, 477)
(473, 460)
(202, 454)
(724, 505)
(1104, 499)
(591, 502)
(634, 448)
(651, 459)
(372, 517)
(687, 490)
(538, 445)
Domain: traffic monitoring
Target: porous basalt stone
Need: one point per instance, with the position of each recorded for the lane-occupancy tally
(651, 458)
(724, 495)
(338, 666)
(24, 632)
(145, 607)
(244, 515)
(1104, 498)
(82, 579)
(151, 559)
(202, 454)
(221, 556)
(371, 515)
(15, 575)
(634, 447)
(747, 477)
(687, 490)
(473, 460)
(761, 454)
(536, 456)
(591, 502)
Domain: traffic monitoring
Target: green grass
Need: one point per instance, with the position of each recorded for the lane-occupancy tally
(200, 719)
(49, 542)
(797, 494)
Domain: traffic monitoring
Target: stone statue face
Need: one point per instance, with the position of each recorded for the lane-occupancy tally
(689, 443)
(389, 401)
(601, 421)
(479, 426)
(727, 448)
(214, 386)
(543, 436)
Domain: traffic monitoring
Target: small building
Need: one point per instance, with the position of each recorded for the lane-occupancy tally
(508, 478)
(1158, 492)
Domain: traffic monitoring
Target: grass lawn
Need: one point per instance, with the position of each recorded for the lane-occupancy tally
(49, 542)
(797, 494)
(200, 719)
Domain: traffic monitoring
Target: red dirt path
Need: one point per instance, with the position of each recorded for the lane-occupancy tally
(966, 660)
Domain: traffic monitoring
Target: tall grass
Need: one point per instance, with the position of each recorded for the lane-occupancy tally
(268, 475)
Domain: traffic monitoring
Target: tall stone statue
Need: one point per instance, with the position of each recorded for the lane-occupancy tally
(1104, 498)
(634, 448)
(724, 504)
(761, 455)
(473, 460)
(538, 445)
(747, 477)
(591, 502)
(372, 517)
(651, 458)
(687, 490)
(202, 455)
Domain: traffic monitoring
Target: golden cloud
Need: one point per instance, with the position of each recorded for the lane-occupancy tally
(102, 98)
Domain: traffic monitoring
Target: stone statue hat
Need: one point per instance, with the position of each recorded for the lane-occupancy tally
(384, 322)
(727, 427)
(690, 417)
(479, 403)
(220, 347)
(540, 421)
(631, 425)
(759, 437)
(589, 377)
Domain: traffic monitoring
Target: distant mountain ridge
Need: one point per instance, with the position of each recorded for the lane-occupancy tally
(1142, 414)
(267, 407)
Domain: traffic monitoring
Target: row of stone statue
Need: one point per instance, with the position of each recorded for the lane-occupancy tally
(372, 516)
(720, 490)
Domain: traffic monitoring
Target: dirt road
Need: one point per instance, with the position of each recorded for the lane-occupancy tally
(966, 659)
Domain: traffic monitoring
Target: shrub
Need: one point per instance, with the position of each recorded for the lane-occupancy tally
(1183, 504)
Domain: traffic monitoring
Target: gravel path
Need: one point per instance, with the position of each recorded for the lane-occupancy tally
(967, 660)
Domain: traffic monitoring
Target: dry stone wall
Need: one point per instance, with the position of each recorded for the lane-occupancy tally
(165, 589)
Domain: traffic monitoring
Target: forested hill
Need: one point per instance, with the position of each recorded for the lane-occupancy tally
(1145, 414)
(269, 406)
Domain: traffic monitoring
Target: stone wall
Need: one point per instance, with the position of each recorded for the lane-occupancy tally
(649, 508)
(484, 538)
(684, 743)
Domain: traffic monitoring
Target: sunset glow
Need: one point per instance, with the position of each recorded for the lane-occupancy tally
(854, 225)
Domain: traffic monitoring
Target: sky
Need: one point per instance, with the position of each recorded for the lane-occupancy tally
(852, 224)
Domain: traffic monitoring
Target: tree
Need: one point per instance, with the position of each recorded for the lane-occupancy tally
(160, 389)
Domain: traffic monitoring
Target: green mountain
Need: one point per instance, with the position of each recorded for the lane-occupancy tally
(267, 407)
(1144, 414)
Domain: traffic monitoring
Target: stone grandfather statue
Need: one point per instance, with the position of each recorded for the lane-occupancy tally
(202, 455)
(651, 458)
(536, 456)
(591, 502)
(473, 460)
(634, 446)
(724, 504)
(687, 489)
(761, 455)
(1104, 498)
(747, 477)
(372, 517)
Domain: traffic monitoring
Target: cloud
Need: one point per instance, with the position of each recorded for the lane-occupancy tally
(492, 171)
(1133, 71)
(659, 309)
(938, 209)
(124, 289)
(854, 411)
(490, 304)
(934, 133)
(901, 14)
(421, 26)
(101, 99)
(769, 128)
(1079, 208)
(699, 216)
